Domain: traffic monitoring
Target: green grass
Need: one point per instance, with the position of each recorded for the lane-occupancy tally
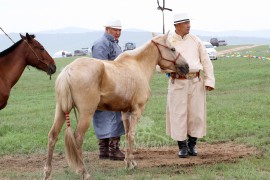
(237, 110)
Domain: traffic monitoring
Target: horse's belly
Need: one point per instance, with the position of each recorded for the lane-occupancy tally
(114, 102)
(114, 106)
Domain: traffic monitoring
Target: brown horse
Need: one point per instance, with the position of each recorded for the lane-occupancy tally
(121, 85)
(13, 61)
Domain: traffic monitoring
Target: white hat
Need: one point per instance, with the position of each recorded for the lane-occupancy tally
(113, 23)
(180, 18)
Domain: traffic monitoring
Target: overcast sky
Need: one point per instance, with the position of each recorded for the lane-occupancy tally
(22, 16)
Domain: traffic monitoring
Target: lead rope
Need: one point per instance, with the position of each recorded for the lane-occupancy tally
(34, 53)
(7, 35)
(11, 40)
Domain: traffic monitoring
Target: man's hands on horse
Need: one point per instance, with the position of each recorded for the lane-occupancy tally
(208, 88)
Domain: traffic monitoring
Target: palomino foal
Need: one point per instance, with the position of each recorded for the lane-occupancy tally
(121, 85)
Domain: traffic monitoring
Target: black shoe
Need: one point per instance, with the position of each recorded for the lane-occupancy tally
(183, 149)
(191, 145)
(192, 151)
(183, 153)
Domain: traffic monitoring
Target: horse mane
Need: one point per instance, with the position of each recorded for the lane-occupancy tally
(14, 46)
(11, 48)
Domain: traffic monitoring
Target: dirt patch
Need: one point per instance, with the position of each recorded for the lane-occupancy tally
(236, 49)
(145, 158)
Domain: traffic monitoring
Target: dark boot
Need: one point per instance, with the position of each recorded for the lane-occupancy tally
(183, 150)
(191, 146)
(114, 151)
(103, 148)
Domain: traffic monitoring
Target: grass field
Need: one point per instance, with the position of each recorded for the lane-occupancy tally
(238, 111)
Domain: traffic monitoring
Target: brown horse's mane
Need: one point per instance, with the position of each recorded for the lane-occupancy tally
(11, 48)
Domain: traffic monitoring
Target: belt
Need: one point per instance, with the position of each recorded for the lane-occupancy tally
(188, 76)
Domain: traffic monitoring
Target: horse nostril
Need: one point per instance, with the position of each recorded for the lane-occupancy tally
(52, 69)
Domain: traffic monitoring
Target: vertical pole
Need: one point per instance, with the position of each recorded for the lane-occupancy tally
(162, 9)
(163, 22)
(163, 17)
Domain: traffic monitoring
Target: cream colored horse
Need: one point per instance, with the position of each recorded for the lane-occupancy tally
(121, 85)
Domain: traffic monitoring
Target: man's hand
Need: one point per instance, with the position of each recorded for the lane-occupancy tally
(208, 88)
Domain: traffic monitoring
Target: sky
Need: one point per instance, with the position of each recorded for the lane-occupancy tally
(33, 16)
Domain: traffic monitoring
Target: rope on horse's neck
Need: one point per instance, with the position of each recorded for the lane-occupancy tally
(7, 35)
(12, 41)
(32, 50)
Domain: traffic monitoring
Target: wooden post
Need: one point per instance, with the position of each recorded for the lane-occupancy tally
(162, 9)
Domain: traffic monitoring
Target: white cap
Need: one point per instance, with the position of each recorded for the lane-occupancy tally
(180, 18)
(113, 23)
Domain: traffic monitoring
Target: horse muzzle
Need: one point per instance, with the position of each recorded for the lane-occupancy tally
(51, 69)
(183, 69)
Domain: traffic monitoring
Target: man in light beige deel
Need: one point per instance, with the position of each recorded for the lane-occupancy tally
(186, 100)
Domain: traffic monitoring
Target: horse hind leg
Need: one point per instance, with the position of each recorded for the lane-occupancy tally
(52, 139)
(70, 143)
(73, 145)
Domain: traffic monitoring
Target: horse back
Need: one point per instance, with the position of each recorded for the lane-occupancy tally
(104, 85)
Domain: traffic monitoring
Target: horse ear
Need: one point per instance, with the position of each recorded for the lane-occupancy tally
(23, 37)
(28, 36)
(154, 34)
(166, 35)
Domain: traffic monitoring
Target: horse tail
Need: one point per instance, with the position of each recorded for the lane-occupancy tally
(65, 101)
(63, 91)
(73, 157)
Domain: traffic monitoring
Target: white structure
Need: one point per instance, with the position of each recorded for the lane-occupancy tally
(61, 54)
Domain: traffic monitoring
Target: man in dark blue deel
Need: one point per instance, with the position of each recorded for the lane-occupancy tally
(108, 125)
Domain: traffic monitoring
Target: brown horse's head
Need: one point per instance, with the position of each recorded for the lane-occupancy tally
(37, 56)
(171, 60)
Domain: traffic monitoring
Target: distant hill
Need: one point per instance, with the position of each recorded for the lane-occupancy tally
(67, 30)
(73, 38)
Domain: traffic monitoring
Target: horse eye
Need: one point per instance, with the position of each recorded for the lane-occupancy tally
(173, 49)
(42, 49)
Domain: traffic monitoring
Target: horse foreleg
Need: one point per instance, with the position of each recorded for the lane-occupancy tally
(125, 119)
(52, 139)
(130, 135)
(83, 125)
(4, 95)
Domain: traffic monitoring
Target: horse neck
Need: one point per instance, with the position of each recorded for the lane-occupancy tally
(13, 64)
(148, 59)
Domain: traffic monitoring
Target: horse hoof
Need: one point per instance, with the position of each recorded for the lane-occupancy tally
(47, 173)
(131, 165)
(86, 176)
(47, 178)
